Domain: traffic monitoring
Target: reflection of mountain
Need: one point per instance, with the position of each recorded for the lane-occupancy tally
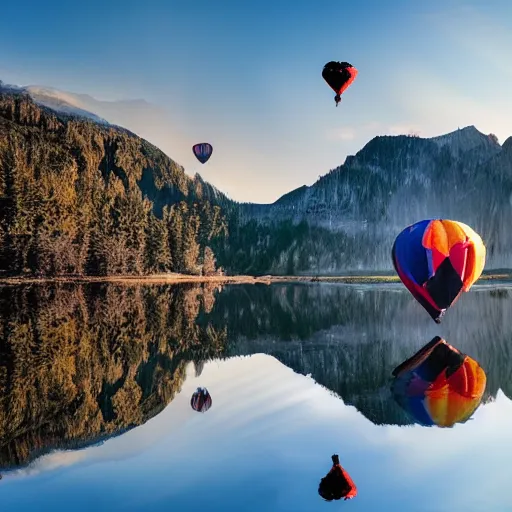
(83, 363)
(350, 339)
(80, 364)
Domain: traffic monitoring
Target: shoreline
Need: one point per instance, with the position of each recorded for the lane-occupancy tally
(183, 278)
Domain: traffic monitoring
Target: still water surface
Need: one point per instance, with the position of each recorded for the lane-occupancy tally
(96, 380)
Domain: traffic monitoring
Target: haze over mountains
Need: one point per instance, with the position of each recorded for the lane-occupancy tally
(348, 219)
(145, 119)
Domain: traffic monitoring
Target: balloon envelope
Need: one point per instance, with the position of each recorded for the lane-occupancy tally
(339, 75)
(201, 400)
(203, 151)
(437, 260)
(439, 385)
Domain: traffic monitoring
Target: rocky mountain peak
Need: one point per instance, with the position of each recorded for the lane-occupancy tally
(466, 139)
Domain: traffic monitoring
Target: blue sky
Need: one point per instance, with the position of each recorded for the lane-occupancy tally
(246, 76)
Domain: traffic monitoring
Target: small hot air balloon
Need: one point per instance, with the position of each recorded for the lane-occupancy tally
(439, 385)
(203, 151)
(437, 260)
(201, 400)
(339, 75)
(337, 483)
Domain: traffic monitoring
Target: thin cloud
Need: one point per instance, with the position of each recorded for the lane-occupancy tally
(443, 108)
(485, 37)
(367, 131)
(342, 134)
(356, 132)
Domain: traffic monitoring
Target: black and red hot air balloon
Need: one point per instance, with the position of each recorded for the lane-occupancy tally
(339, 76)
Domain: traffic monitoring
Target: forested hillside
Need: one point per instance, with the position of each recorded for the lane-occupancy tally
(78, 197)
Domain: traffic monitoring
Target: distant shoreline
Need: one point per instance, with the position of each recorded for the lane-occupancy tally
(183, 278)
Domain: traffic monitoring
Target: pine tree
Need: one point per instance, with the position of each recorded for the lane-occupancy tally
(158, 255)
(208, 262)
(175, 228)
(191, 246)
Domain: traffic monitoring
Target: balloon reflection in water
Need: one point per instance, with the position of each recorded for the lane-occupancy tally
(201, 400)
(337, 483)
(439, 385)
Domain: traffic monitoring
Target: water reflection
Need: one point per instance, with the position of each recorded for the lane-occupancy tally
(81, 365)
(264, 446)
(201, 400)
(439, 385)
(337, 483)
(349, 339)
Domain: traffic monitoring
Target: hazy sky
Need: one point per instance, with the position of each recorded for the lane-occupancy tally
(246, 76)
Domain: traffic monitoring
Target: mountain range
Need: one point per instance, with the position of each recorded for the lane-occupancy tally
(347, 220)
(392, 182)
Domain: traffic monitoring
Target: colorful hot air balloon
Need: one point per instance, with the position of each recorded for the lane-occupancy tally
(337, 483)
(203, 151)
(201, 400)
(439, 385)
(437, 260)
(339, 75)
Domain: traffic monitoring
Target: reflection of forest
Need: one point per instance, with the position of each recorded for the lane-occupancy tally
(80, 363)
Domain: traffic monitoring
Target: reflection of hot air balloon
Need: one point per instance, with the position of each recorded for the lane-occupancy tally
(201, 400)
(339, 75)
(439, 385)
(437, 260)
(203, 151)
(337, 483)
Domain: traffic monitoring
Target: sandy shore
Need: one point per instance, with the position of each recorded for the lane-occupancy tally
(182, 278)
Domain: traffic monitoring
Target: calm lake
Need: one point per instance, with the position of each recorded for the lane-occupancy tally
(96, 382)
